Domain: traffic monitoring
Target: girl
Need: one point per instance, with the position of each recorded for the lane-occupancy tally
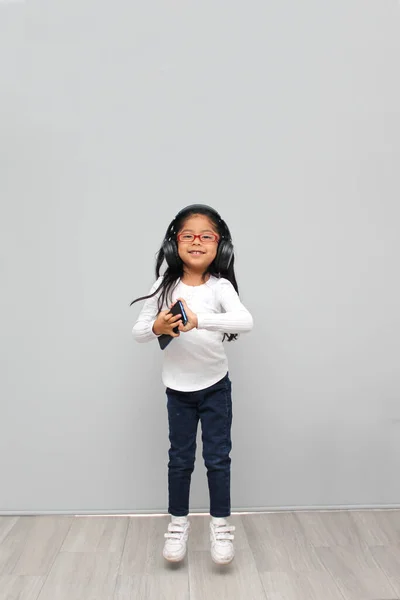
(200, 272)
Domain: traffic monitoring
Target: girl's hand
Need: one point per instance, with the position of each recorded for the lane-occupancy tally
(191, 316)
(166, 322)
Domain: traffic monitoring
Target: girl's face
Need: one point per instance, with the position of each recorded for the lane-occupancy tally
(197, 255)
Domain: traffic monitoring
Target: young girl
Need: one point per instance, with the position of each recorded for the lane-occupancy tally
(200, 272)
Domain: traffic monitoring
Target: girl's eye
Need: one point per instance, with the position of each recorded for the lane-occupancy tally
(186, 237)
(206, 237)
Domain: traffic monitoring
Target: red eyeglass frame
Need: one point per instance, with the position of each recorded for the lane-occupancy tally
(197, 236)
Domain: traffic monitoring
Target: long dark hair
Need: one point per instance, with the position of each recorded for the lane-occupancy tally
(175, 271)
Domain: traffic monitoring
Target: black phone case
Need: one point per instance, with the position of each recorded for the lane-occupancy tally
(165, 339)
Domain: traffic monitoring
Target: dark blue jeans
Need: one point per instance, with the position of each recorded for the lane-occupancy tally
(213, 406)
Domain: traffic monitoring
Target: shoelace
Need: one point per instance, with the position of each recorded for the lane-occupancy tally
(175, 531)
(222, 532)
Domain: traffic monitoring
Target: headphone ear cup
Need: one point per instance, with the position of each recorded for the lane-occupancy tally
(171, 253)
(224, 256)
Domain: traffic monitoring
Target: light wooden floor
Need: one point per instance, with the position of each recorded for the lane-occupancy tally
(279, 556)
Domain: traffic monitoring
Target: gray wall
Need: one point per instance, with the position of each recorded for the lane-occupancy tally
(284, 115)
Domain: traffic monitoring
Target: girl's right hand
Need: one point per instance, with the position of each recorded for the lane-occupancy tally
(166, 322)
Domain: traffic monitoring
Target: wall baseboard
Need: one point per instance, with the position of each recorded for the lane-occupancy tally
(201, 511)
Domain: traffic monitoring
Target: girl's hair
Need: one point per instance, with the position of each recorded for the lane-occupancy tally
(175, 272)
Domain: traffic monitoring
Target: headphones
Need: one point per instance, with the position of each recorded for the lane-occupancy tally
(225, 246)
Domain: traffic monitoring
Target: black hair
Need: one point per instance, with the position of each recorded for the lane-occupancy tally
(175, 270)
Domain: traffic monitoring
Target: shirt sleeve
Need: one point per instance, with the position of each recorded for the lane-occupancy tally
(142, 330)
(235, 318)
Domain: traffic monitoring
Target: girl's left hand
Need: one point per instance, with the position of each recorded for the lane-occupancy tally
(191, 316)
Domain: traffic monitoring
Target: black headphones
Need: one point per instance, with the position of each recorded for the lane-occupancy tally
(225, 246)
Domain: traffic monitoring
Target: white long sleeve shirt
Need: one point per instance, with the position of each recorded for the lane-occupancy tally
(196, 359)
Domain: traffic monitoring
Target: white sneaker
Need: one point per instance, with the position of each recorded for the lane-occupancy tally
(222, 550)
(177, 536)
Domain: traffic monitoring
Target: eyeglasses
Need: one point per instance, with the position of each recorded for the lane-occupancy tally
(205, 238)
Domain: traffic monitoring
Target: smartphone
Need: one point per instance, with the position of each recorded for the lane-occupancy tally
(177, 309)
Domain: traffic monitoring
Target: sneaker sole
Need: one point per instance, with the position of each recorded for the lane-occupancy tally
(174, 558)
(222, 562)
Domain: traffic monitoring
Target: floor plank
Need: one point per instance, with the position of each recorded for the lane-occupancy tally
(278, 548)
(33, 544)
(209, 581)
(357, 574)
(171, 583)
(372, 528)
(337, 527)
(23, 587)
(96, 534)
(82, 576)
(142, 554)
(300, 586)
(6, 524)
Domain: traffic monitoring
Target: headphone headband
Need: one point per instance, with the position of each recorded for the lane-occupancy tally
(194, 207)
